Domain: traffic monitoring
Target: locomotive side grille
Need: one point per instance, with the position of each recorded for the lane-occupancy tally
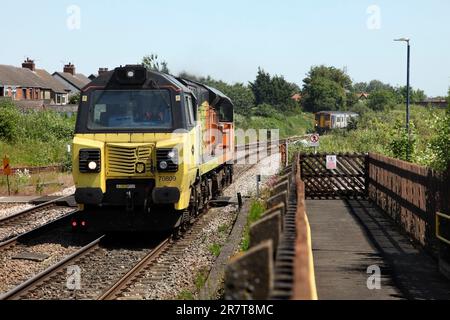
(123, 160)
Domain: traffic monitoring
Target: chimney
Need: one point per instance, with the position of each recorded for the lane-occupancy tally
(69, 68)
(29, 64)
(102, 71)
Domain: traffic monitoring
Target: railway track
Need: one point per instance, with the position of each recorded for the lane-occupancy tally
(109, 273)
(33, 284)
(106, 272)
(52, 240)
(146, 274)
(29, 219)
(144, 277)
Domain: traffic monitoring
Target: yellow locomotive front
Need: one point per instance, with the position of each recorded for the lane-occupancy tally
(137, 149)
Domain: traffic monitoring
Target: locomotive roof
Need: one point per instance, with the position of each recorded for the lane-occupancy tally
(338, 113)
(205, 93)
(156, 79)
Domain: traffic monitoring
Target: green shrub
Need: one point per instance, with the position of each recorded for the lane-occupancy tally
(9, 122)
(34, 138)
(402, 145)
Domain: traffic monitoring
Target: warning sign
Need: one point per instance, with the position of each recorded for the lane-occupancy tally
(6, 166)
(314, 140)
(331, 162)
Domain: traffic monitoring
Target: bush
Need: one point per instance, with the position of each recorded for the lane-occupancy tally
(437, 150)
(402, 146)
(265, 110)
(382, 100)
(34, 138)
(47, 126)
(74, 99)
(9, 123)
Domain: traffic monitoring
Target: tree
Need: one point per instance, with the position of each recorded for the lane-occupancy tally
(275, 91)
(9, 121)
(152, 62)
(415, 95)
(377, 85)
(381, 100)
(440, 143)
(403, 144)
(261, 87)
(74, 99)
(360, 87)
(241, 95)
(326, 88)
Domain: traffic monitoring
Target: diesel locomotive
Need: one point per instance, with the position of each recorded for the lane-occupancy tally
(150, 150)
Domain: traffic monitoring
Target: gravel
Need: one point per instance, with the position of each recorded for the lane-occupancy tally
(8, 209)
(38, 219)
(246, 182)
(99, 270)
(184, 270)
(57, 246)
(66, 192)
(180, 276)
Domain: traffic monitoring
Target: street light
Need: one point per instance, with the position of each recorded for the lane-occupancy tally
(408, 99)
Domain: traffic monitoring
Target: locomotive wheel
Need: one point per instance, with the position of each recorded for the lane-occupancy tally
(200, 201)
(193, 209)
(230, 175)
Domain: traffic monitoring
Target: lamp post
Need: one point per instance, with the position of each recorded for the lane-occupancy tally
(408, 95)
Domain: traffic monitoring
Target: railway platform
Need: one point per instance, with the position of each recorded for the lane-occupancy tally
(350, 238)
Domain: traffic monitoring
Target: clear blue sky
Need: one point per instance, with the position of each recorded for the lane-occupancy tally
(230, 39)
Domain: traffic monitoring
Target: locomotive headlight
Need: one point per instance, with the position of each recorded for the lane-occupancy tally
(163, 165)
(171, 155)
(90, 161)
(92, 165)
(167, 159)
(130, 74)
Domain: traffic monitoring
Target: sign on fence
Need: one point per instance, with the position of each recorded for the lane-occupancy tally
(314, 141)
(331, 162)
(6, 166)
(7, 172)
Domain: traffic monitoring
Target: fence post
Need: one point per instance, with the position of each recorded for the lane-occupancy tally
(444, 249)
(367, 175)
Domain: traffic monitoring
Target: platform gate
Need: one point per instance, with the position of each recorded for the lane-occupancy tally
(347, 180)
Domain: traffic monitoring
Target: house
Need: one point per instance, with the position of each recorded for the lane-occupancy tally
(434, 102)
(297, 97)
(362, 96)
(71, 80)
(100, 72)
(31, 84)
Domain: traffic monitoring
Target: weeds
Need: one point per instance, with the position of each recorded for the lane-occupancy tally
(215, 249)
(256, 211)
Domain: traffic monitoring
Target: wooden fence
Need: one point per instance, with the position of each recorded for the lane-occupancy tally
(279, 264)
(37, 170)
(347, 180)
(410, 194)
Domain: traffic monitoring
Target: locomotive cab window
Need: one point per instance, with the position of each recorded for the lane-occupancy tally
(226, 112)
(190, 111)
(130, 109)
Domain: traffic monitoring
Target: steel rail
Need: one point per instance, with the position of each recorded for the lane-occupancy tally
(32, 210)
(36, 280)
(111, 293)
